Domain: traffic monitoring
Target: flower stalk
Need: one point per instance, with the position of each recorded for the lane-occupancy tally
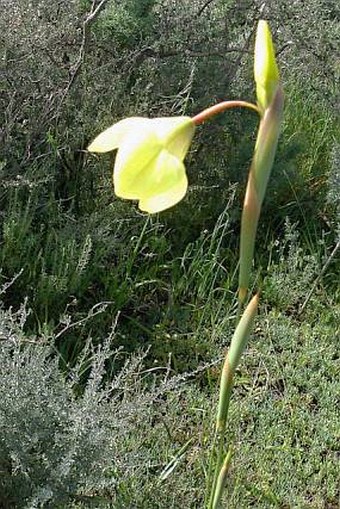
(232, 359)
(221, 107)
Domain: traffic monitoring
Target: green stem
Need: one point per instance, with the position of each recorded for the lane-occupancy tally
(232, 359)
(208, 494)
(220, 108)
(221, 480)
(218, 466)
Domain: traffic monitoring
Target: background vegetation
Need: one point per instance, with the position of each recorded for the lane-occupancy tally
(112, 323)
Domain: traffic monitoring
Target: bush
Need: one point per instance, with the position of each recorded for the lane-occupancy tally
(66, 440)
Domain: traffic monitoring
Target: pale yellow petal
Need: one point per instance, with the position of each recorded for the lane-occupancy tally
(165, 200)
(136, 157)
(111, 138)
(175, 133)
(168, 189)
(161, 173)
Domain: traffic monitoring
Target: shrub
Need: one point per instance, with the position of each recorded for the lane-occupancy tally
(84, 438)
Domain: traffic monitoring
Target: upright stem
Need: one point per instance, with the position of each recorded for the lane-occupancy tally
(221, 480)
(232, 358)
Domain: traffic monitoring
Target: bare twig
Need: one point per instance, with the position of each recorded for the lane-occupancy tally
(97, 309)
(204, 6)
(7, 285)
(149, 52)
(95, 10)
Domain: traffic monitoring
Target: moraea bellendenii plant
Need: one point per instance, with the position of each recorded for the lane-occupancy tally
(149, 168)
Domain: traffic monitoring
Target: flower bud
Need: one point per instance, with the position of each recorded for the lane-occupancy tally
(266, 72)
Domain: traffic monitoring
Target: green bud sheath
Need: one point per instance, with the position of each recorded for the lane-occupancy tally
(259, 174)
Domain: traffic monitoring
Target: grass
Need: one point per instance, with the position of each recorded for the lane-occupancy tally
(286, 453)
(282, 425)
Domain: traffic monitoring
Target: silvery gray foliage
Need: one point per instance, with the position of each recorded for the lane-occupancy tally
(55, 445)
(70, 440)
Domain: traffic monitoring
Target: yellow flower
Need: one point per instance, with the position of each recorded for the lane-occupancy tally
(149, 164)
(266, 72)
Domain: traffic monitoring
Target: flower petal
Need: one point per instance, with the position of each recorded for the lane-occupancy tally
(111, 138)
(175, 133)
(165, 173)
(165, 200)
(171, 187)
(136, 158)
(148, 165)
